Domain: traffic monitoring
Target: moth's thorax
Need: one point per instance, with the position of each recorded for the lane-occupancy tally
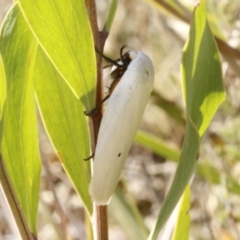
(136, 62)
(118, 71)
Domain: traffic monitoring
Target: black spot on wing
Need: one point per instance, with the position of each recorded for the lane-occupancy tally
(119, 154)
(147, 73)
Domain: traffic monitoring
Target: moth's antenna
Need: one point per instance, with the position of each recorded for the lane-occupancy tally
(121, 51)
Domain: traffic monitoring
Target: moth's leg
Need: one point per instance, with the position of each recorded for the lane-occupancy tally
(111, 61)
(109, 65)
(93, 111)
(88, 158)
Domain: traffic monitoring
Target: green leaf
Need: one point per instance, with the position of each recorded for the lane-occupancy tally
(63, 31)
(181, 230)
(201, 72)
(2, 95)
(65, 123)
(203, 92)
(111, 15)
(183, 173)
(2, 87)
(20, 140)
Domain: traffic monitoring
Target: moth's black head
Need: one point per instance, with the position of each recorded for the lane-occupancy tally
(126, 59)
(123, 65)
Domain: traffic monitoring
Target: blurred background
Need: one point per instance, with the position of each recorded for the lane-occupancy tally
(215, 192)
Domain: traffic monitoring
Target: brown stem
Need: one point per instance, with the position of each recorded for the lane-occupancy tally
(13, 202)
(101, 221)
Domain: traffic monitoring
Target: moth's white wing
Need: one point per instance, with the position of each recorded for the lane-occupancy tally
(119, 124)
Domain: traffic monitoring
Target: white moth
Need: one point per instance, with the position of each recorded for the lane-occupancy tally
(120, 122)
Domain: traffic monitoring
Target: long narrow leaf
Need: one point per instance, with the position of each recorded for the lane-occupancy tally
(65, 123)
(181, 229)
(111, 15)
(203, 92)
(20, 140)
(63, 31)
(2, 87)
(183, 173)
(2, 95)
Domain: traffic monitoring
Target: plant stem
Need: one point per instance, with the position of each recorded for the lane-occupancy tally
(101, 222)
(13, 202)
(100, 212)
